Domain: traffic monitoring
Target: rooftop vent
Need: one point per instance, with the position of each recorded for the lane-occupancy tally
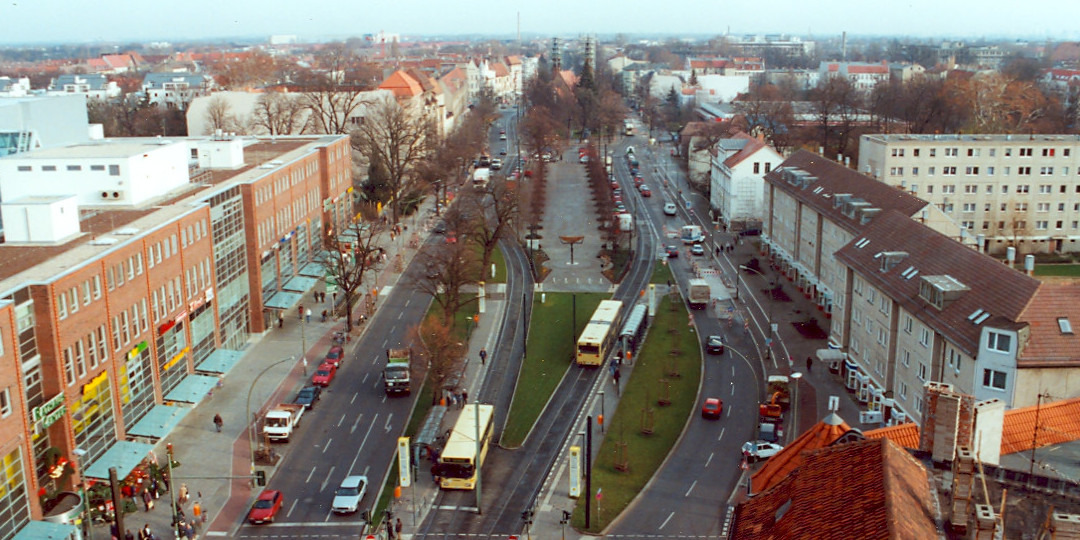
(940, 291)
(889, 259)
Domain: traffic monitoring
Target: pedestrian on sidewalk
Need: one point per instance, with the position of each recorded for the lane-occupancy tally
(197, 513)
(218, 422)
(397, 528)
(128, 535)
(809, 362)
(615, 378)
(308, 315)
(300, 312)
(154, 487)
(483, 355)
(145, 533)
(334, 297)
(147, 499)
(183, 494)
(464, 398)
(325, 314)
(280, 320)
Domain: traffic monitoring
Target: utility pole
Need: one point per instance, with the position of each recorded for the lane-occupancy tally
(588, 471)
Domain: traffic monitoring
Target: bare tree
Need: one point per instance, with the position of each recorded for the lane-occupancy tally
(350, 256)
(442, 350)
(398, 140)
(334, 91)
(492, 212)
(219, 116)
(277, 113)
(448, 269)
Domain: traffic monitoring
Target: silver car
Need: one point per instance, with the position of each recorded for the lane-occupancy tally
(757, 450)
(349, 494)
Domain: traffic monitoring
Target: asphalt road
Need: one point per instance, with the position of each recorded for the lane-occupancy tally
(688, 496)
(352, 429)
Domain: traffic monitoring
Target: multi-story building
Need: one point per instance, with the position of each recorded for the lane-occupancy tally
(815, 206)
(148, 264)
(863, 76)
(737, 185)
(176, 90)
(1008, 190)
(92, 85)
(920, 308)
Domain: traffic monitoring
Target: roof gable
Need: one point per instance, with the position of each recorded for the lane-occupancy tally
(791, 457)
(402, 85)
(1051, 342)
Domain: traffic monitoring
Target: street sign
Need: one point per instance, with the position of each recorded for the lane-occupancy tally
(404, 470)
(575, 471)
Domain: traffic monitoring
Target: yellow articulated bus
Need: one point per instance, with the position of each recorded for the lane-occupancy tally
(459, 464)
(595, 342)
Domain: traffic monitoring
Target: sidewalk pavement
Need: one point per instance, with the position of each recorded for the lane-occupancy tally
(272, 363)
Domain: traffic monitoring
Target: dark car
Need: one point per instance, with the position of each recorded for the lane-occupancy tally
(714, 345)
(335, 355)
(672, 251)
(308, 396)
(439, 228)
(266, 506)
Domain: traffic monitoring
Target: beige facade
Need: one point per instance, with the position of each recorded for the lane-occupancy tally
(1004, 190)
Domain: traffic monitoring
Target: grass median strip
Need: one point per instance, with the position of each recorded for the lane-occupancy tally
(668, 367)
(550, 347)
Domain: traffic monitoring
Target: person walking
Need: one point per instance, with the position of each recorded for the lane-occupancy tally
(128, 535)
(397, 528)
(148, 500)
(183, 493)
(218, 422)
(197, 513)
(483, 355)
(464, 398)
(308, 313)
(280, 320)
(145, 533)
(809, 362)
(300, 312)
(615, 377)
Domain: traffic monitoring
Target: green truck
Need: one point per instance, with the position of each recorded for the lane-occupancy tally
(397, 374)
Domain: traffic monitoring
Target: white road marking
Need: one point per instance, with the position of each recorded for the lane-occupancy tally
(708, 461)
(310, 474)
(732, 372)
(399, 315)
(364, 380)
(328, 441)
(339, 422)
(299, 524)
(691, 489)
(409, 301)
(362, 443)
(671, 515)
(326, 479)
(353, 428)
(291, 507)
(387, 426)
(721, 434)
(354, 396)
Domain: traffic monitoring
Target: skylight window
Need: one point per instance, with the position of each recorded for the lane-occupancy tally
(981, 318)
(974, 314)
(1065, 325)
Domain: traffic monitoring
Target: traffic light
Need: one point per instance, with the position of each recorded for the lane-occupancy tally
(260, 478)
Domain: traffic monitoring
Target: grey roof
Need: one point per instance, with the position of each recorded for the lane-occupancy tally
(97, 81)
(157, 80)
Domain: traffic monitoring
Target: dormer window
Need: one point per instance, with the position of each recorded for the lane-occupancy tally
(996, 341)
(1064, 325)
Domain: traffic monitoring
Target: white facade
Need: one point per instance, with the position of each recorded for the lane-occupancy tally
(738, 185)
(98, 174)
(46, 220)
(1021, 191)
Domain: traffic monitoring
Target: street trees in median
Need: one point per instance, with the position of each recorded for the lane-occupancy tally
(491, 212)
(350, 256)
(443, 351)
(399, 140)
(449, 268)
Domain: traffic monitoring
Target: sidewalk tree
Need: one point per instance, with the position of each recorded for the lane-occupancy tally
(449, 268)
(491, 211)
(443, 351)
(399, 139)
(350, 256)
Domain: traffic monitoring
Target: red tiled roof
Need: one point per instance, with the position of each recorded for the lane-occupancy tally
(500, 69)
(791, 457)
(1059, 422)
(864, 489)
(402, 85)
(834, 178)
(1047, 345)
(992, 287)
(751, 147)
(876, 68)
(906, 434)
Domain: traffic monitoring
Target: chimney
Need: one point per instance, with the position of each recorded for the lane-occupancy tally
(847, 162)
(1065, 526)
(989, 422)
(1010, 256)
(821, 150)
(963, 469)
(947, 421)
(839, 158)
(1029, 265)
(985, 522)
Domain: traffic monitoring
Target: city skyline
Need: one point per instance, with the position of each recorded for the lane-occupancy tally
(122, 20)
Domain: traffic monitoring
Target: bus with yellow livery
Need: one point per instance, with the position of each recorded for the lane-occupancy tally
(596, 340)
(458, 466)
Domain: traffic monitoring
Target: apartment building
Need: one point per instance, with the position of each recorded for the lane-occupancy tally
(919, 308)
(148, 264)
(814, 206)
(1008, 190)
(739, 165)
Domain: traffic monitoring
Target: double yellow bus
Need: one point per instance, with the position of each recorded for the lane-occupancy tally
(459, 464)
(595, 342)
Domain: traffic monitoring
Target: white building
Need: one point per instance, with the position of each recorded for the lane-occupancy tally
(14, 87)
(863, 76)
(92, 85)
(176, 90)
(1006, 190)
(737, 189)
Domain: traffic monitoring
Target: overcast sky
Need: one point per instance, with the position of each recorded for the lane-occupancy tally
(51, 21)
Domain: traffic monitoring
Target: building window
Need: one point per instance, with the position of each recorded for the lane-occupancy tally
(905, 357)
(996, 341)
(114, 170)
(903, 391)
(994, 379)
(1025, 152)
(989, 172)
(922, 371)
(908, 322)
(924, 337)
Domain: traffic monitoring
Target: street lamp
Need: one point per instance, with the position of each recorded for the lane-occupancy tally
(795, 401)
(251, 428)
(768, 342)
(571, 240)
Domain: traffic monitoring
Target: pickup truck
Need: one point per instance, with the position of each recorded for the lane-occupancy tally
(279, 422)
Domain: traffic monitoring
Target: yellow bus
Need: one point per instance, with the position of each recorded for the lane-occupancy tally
(595, 342)
(458, 465)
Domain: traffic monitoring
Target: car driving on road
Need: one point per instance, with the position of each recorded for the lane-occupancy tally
(712, 408)
(758, 450)
(669, 209)
(714, 345)
(349, 494)
(266, 507)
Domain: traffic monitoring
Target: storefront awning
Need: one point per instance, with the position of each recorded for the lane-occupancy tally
(44, 530)
(300, 284)
(220, 361)
(159, 421)
(831, 355)
(313, 269)
(283, 300)
(192, 389)
(124, 455)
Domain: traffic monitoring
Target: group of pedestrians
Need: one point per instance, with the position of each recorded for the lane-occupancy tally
(458, 398)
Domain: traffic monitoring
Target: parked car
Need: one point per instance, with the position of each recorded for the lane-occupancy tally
(672, 251)
(502, 136)
(349, 494)
(583, 159)
(307, 396)
(496, 164)
(712, 408)
(670, 209)
(696, 249)
(714, 345)
(758, 450)
(439, 228)
(266, 507)
(325, 374)
(645, 191)
(335, 355)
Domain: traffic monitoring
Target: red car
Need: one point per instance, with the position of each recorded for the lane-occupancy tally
(266, 506)
(712, 408)
(335, 355)
(324, 374)
(645, 191)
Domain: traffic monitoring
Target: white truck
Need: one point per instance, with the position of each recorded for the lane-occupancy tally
(480, 177)
(698, 294)
(692, 234)
(279, 422)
